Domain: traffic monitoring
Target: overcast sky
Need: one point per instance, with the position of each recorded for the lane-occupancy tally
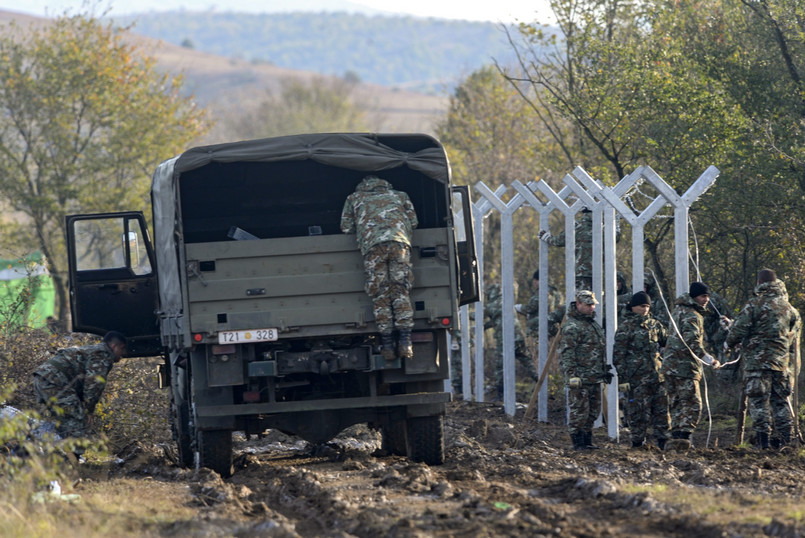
(478, 10)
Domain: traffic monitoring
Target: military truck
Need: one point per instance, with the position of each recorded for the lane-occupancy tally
(256, 300)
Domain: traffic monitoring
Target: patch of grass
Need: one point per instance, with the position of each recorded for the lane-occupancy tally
(797, 515)
(651, 489)
(722, 508)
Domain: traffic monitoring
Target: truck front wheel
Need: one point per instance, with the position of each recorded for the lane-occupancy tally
(426, 439)
(180, 425)
(215, 451)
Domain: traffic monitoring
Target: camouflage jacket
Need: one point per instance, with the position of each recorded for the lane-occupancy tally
(85, 368)
(584, 244)
(531, 309)
(678, 361)
(713, 333)
(555, 320)
(766, 328)
(378, 213)
(582, 348)
(636, 354)
(493, 312)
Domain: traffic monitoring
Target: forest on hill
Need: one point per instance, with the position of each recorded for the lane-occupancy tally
(429, 55)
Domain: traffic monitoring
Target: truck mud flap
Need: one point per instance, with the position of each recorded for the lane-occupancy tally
(318, 405)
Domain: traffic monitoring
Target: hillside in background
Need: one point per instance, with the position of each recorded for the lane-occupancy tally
(231, 86)
(425, 55)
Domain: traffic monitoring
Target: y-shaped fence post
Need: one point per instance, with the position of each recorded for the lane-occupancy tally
(506, 211)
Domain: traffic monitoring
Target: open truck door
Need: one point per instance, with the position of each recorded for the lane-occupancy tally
(113, 279)
(465, 245)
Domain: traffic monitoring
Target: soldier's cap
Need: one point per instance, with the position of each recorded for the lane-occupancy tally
(586, 297)
(638, 299)
(698, 288)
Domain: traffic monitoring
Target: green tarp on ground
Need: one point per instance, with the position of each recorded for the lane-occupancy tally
(18, 278)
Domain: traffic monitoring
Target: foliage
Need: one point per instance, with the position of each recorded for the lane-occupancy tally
(658, 83)
(320, 106)
(84, 119)
(493, 137)
(414, 53)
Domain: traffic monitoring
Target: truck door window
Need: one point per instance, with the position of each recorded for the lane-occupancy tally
(110, 243)
(458, 216)
(138, 255)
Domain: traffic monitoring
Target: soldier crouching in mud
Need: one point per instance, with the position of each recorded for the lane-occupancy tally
(384, 220)
(71, 382)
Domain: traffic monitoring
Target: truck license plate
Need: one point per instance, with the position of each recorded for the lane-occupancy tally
(245, 337)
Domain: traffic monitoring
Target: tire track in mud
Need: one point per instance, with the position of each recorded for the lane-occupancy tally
(501, 478)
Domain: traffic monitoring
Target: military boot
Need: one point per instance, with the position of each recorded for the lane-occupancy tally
(679, 441)
(387, 346)
(661, 442)
(785, 439)
(762, 440)
(406, 348)
(637, 443)
(578, 441)
(588, 441)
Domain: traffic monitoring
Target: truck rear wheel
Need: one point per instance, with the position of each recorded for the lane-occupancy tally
(394, 438)
(215, 451)
(426, 439)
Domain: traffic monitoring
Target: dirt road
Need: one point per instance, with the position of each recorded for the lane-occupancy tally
(502, 478)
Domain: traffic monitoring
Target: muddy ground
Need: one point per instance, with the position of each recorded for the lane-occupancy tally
(502, 477)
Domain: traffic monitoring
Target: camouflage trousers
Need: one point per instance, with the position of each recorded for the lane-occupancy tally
(63, 405)
(767, 393)
(684, 403)
(389, 279)
(647, 406)
(585, 405)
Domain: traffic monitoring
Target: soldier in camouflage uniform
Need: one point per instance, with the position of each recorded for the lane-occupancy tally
(384, 220)
(584, 248)
(714, 332)
(71, 382)
(531, 309)
(658, 307)
(682, 363)
(636, 356)
(493, 319)
(766, 329)
(582, 359)
(624, 292)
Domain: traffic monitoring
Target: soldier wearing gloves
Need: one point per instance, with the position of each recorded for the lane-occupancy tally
(531, 309)
(71, 382)
(636, 356)
(682, 364)
(582, 359)
(767, 329)
(584, 248)
(384, 220)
